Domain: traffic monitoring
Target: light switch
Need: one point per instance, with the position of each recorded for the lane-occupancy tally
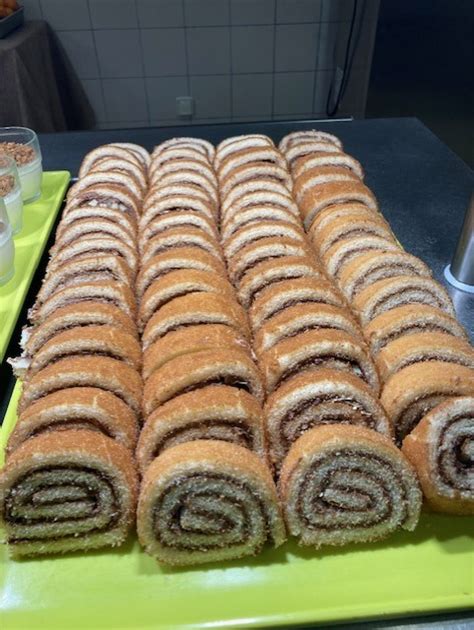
(185, 106)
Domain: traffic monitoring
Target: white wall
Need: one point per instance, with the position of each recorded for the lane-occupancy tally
(238, 59)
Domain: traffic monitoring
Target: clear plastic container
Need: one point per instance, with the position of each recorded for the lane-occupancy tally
(22, 145)
(10, 191)
(7, 247)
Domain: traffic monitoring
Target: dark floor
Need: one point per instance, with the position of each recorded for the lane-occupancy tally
(423, 66)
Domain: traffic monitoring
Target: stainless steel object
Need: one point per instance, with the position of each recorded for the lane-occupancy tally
(461, 269)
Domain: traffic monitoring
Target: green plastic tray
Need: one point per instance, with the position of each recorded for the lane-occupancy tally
(38, 220)
(429, 570)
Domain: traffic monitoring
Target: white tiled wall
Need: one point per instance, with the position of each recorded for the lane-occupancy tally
(238, 59)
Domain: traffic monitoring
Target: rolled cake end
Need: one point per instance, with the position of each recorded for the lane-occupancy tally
(345, 484)
(441, 449)
(207, 501)
(67, 491)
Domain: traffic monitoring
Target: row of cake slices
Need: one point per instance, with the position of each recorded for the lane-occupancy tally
(86, 305)
(203, 429)
(188, 311)
(81, 369)
(321, 383)
(299, 319)
(422, 353)
(180, 361)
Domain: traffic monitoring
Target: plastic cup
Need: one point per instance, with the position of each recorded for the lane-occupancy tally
(7, 247)
(10, 191)
(22, 145)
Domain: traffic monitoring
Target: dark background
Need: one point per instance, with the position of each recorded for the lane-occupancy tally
(423, 66)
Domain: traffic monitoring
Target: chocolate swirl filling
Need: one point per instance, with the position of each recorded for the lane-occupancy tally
(235, 431)
(408, 296)
(59, 502)
(412, 415)
(328, 494)
(455, 453)
(323, 409)
(201, 512)
(350, 495)
(330, 360)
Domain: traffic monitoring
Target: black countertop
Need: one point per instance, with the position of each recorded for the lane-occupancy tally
(422, 187)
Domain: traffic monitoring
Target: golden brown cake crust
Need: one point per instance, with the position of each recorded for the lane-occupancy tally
(343, 435)
(199, 145)
(193, 309)
(200, 410)
(87, 444)
(116, 293)
(213, 396)
(100, 455)
(257, 230)
(217, 454)
(301, 317)
(106, 150)
(189, 340)
(87, 447)
(268, 248)
(307, 146)
(199, 369)
(157, 204)
(409, 319)
(93, 226)
(354, 210)
(375, 299)
(270, 272)
(249, 155)
(123, 180)
(184, 258)
(247, 217)
(83, 313)
(348, 227)
(431, 449)
(332, 158)
(118, 193)
(180, 237)
(253, 170)
(318, 175)
(87, 371)
(90, 246)
(324, 396)
(106, 340)
(332, 193)
(76, 404)
(431, 381)
(308, 135)
(84, 213)
(423, 346)
(185, 163)
(120, 165)
(315, 349)
(369, 267)
(262, 191)
(240, 144)
(219, 467)
(177, 284)
(286, 293)
(177, 219)
(339, 255)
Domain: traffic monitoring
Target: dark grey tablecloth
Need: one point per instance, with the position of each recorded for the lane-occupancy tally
(38, 86)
